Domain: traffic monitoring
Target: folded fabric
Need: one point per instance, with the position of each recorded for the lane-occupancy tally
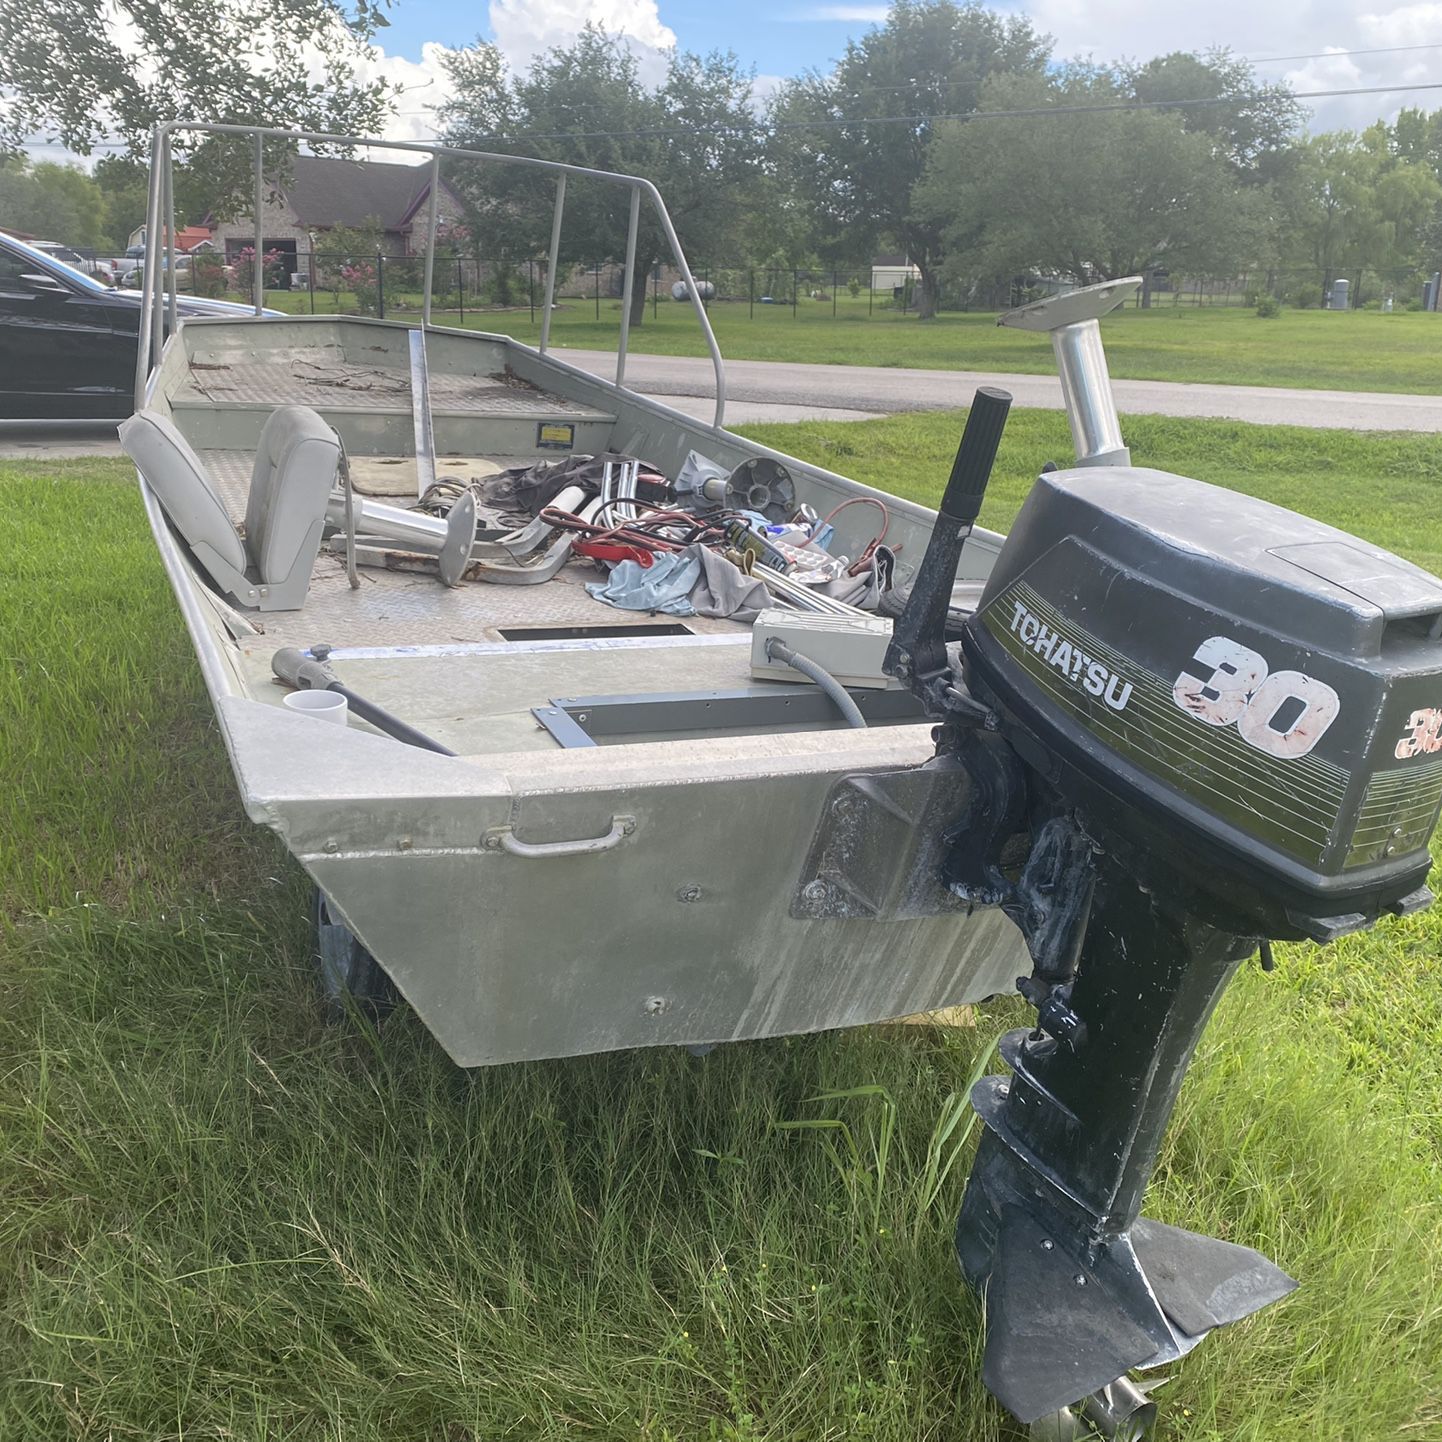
(663, 586)
(693, 582)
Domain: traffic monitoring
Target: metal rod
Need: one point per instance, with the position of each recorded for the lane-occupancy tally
(1086, 387)
(152, 227)
(628, 285)
(431, 218)
(257, 268)
(551, 262)
(171, 281)
(524, 162)
(421, 414)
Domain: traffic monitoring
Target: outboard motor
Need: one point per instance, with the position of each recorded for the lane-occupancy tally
(1192, 722)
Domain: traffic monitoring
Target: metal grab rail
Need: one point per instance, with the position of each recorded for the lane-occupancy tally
(159, 291)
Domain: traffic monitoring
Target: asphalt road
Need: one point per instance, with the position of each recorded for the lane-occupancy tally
(803, 389)
(793, 391)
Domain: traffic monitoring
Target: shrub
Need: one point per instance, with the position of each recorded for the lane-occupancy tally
(1269, 307)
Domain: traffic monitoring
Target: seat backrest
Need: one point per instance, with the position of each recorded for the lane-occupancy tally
(296, 462)
(175, 473)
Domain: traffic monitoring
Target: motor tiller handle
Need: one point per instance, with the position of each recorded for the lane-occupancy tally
(918, 647)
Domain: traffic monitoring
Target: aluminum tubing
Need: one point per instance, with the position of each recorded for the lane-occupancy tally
(1086, 387)
(395, 523)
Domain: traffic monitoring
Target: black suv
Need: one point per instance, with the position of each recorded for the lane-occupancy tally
(67, 342)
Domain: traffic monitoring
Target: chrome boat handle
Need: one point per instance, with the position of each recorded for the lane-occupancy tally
(505, 839)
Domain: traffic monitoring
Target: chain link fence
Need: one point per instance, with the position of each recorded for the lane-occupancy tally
(330, 283)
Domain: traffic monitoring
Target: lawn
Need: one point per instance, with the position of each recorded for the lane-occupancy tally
(221, 1218)
(1318, 350)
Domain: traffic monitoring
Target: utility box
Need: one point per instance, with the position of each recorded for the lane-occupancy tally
(1430, 290)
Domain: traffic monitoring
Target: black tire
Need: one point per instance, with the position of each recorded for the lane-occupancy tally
(350, 977)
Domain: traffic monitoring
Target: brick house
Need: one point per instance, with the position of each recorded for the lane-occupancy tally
(324, 191)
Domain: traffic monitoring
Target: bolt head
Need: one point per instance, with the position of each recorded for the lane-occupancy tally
(689, 893)
(816, 890)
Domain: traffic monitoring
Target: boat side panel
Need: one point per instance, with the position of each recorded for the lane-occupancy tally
(678, 933)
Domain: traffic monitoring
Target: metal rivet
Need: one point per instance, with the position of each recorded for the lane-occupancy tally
(404, 844)
(582, 717)
(331, 846)
(655, 1005)
(816, 890)
(689, 893)
(1003, 1090)
(1047, 1244)
(1080, 1280)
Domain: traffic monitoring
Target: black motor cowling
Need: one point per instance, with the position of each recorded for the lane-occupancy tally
(1221, 677)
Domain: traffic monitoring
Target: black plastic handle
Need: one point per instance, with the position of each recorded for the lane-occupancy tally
(918, 647)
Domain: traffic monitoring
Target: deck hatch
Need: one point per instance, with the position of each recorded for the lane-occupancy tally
(577, 721)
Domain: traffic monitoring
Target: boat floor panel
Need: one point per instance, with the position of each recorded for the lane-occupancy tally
(333, 383)
(410, 608)
(481, 705)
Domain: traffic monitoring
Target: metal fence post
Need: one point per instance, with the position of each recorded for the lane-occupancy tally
(833, 295)
(655, 290)
(310, 277)
(751, 294)
(870, 290)
(380, 286)
(461, 290)
(793, 294)
(530, 285)
(597, 270)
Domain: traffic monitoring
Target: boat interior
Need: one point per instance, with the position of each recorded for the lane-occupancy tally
(486, 667)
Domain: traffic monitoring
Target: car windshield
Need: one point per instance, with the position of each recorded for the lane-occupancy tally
(46, 262)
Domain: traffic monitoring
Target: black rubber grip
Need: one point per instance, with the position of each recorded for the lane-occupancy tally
(976, 455)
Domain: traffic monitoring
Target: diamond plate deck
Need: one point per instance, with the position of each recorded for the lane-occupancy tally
(396, 608)
(333, 383)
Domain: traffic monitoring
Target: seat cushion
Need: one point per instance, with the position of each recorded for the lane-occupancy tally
(175, 473)
(296, 462)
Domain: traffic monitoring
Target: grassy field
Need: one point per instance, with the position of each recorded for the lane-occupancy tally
(221, 1219)
(1319, 350)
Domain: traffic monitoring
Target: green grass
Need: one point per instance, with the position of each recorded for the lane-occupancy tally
(221, 1219)
(1318, 350)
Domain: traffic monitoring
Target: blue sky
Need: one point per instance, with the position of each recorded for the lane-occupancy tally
(1305, 44)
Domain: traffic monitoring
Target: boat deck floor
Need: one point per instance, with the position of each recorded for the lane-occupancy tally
(328, 382)
(452, 662)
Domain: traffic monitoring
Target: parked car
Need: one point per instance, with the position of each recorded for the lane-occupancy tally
(68, 342)
(90, 265)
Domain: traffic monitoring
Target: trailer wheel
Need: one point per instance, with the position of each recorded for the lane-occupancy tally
(349, 975)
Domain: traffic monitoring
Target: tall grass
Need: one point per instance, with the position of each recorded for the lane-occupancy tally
(220, 1218)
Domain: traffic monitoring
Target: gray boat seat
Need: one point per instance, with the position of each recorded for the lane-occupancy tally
(296, 462)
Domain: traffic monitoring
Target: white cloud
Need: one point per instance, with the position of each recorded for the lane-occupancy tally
(1105, 29)
(525, 29)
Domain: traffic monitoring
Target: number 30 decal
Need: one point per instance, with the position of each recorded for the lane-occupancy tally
(1283, 713)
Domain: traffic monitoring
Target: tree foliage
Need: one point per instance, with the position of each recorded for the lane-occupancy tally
(52, 202)
(1084, 197)
(856, 142)
(694, 136)
(83, 71)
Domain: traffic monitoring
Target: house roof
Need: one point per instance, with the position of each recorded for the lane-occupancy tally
(325, 191)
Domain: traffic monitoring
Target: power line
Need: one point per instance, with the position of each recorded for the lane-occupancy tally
(1338, 54)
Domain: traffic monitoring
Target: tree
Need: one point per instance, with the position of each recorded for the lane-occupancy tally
(859, 138)
(53, 202)
(125, 184)
(1252, 130)
(1352, 204)
(85, 69)
(695, 136)
(1085, 197)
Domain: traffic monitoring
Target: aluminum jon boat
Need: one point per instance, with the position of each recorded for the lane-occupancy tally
(698, 826)
(836, 781)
